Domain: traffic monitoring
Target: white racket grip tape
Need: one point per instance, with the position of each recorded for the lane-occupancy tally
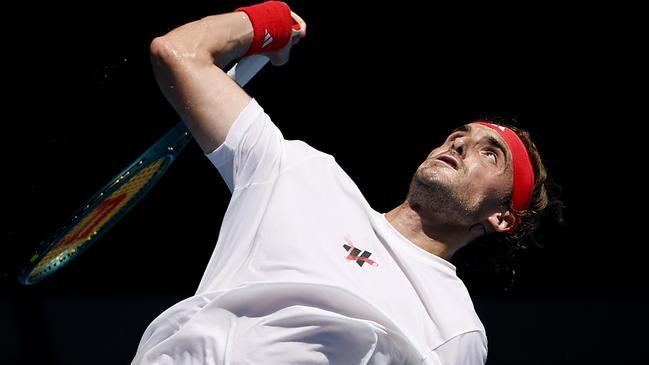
(246, 68)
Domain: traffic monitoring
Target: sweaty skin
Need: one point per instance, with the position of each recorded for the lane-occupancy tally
(188, 62)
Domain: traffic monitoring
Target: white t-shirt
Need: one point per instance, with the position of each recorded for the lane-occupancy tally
(306, 272)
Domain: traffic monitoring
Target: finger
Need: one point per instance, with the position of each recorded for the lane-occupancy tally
(281, 57)
(301, 22)
(279, 60)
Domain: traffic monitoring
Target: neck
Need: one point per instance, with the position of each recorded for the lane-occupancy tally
(429, 230)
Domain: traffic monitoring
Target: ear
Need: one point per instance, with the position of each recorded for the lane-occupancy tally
(502, 222)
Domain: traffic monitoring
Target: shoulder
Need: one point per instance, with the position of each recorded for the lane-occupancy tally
(297, 151)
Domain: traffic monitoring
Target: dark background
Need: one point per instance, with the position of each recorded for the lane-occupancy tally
(375, 85)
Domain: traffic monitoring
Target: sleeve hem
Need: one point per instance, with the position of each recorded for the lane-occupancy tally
(222, 154)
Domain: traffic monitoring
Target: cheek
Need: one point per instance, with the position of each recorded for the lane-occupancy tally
(484, 178)
(489, 185)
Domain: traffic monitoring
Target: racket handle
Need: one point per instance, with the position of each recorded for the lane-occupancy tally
(246, 68)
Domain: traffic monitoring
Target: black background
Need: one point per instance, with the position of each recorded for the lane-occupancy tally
(375, 85)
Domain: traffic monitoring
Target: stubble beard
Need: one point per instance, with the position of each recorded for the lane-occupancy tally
(439, 198)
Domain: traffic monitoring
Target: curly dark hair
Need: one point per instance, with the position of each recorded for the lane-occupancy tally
(498, 255)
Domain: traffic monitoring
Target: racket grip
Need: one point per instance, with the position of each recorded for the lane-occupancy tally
(246, 68)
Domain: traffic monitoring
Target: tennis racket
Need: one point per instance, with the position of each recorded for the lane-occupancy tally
(106, 207)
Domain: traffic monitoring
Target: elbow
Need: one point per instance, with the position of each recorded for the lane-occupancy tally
(163, 51)
(171, 53)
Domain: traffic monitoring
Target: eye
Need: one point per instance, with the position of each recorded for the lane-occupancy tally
(491, 156)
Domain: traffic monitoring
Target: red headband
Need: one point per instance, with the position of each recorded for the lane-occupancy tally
(523, 185)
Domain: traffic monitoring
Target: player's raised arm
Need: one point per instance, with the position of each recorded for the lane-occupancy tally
(188, 63)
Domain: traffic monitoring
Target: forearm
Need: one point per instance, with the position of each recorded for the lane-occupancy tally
(217, 39)
(188, 64)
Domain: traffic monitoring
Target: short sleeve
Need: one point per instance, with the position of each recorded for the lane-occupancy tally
(466, 349)
(251, 151)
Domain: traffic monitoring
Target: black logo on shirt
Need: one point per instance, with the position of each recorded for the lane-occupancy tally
(353, 255)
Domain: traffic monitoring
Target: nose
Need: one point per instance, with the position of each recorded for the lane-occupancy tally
(459, 146)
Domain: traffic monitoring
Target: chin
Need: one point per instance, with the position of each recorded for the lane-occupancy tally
(432, 177)
(436, 193)
(425, 189)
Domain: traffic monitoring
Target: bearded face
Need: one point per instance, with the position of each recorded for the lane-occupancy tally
(466, 178)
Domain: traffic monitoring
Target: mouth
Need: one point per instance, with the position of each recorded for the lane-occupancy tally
(449, 160)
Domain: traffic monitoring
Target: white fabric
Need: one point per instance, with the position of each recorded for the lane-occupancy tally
(281, 288)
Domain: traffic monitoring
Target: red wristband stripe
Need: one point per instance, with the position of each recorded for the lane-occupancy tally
(523, 185)
(272, 26)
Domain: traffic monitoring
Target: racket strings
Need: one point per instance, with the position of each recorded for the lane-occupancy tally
(89, 225)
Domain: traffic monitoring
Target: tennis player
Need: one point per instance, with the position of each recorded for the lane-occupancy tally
(304, 270)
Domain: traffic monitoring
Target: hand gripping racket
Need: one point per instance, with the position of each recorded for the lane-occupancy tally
(116, 198)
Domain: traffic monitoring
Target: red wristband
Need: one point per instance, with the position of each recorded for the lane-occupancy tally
(272, 23)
